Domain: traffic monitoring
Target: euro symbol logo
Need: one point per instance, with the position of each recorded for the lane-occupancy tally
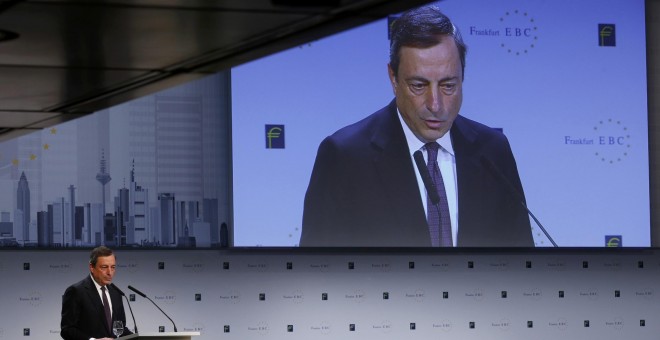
(274, 136)
(607, 35)
(605, 32)
(273, 133)
(614, 242)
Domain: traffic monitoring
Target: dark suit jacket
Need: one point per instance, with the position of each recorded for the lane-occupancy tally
(82, 312)
(363, 191)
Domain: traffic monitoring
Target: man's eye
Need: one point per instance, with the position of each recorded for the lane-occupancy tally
(417, 87)
(448, 87)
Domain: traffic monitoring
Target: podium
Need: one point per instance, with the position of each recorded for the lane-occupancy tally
(161, 336)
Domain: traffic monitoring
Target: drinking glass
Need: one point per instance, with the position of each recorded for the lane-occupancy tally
(117, 328)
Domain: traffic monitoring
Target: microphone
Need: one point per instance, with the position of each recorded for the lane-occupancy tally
(129, 306)
(144, 296)
(426, 177)
(488, 164)
(137, 292)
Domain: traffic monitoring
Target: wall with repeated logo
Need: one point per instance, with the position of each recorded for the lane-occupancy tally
(361, 294)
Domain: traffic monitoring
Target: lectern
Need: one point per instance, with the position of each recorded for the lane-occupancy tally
(161, 336)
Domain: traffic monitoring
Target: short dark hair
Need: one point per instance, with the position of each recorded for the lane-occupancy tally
(97, 252)
(422, 27)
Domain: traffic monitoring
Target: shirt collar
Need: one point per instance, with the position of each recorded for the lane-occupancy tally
(415, 144)
(98, 286)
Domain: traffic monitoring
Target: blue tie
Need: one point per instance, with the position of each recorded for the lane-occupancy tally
(438, 215)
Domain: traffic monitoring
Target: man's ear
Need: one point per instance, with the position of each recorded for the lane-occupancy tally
(390, 72)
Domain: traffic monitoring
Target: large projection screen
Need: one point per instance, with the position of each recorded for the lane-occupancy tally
(564, 80)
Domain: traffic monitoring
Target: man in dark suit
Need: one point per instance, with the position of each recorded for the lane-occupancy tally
(364, 189)
(83, 307)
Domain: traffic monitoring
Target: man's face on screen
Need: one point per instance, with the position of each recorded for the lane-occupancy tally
(429, 88)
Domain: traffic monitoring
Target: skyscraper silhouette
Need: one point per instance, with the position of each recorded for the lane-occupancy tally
(103, 177)
(23, 204)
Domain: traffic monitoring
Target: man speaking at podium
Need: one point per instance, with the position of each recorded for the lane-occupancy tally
(90, 306)
(370, 180)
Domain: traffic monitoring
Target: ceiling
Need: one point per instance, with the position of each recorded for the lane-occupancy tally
(63, 59)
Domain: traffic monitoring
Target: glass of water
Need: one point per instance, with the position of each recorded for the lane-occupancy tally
(117, 328)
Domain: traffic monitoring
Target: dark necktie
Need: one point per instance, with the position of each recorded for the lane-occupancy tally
(438, 215)
(106, 308)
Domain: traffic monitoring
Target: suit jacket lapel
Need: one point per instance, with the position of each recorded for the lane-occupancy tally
(116, 302)
(95, 298)
(394, 167)
(468, 170)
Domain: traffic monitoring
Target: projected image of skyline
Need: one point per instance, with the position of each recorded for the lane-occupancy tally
(144, 173)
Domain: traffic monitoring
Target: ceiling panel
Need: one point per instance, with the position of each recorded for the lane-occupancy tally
(126, 37)
(306, 6)
(43, 88)
(21, 119)
(74, 57)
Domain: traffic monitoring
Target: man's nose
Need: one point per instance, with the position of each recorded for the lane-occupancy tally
(433, 99)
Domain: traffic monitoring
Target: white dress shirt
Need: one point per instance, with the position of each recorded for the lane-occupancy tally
(447, 164)
(107, 293)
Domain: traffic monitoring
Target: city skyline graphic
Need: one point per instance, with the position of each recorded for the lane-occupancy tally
(141, 174)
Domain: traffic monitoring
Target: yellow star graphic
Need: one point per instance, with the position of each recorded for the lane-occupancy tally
(14, 161)
(33, 157)
(46, 146)
(53, 131)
